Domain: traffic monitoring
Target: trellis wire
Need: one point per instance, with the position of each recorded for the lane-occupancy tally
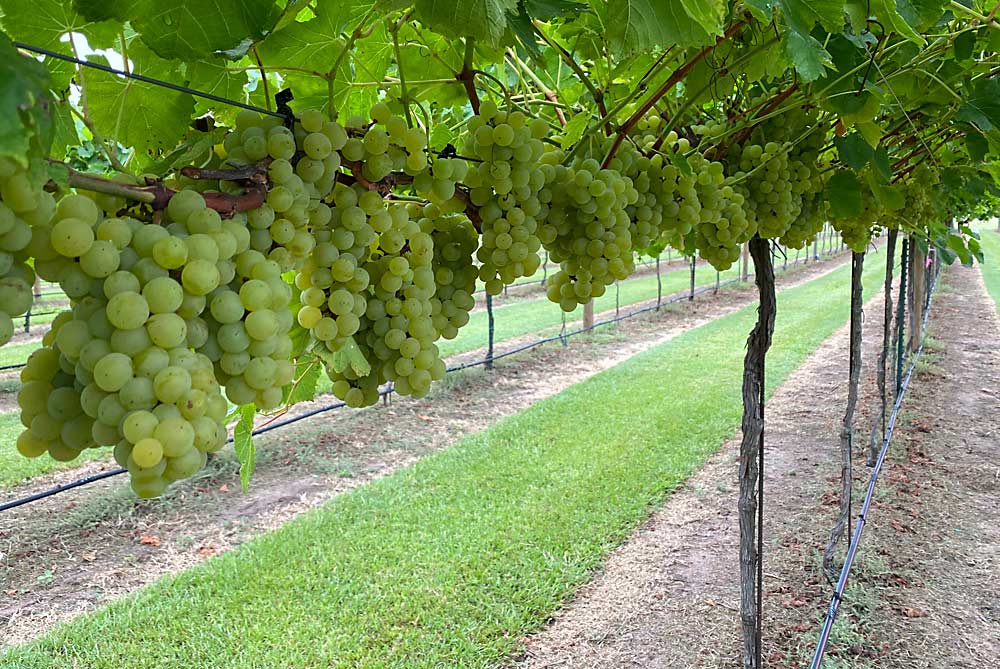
(386, 392)
(852, 550)
(149, 80)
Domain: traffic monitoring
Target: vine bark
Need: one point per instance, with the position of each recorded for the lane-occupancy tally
(751, 455)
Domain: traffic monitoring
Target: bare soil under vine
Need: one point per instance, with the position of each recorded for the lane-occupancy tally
(68, 554)
(926, 587)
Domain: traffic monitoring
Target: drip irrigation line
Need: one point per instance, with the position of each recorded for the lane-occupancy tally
(385, 392)
(149, 80)
(852, 550)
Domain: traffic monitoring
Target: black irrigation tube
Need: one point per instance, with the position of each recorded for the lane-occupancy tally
(145, 79)
(852, 550)
(386, 391)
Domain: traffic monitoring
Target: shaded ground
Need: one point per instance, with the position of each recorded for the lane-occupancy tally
(925, 590)
(68, 554)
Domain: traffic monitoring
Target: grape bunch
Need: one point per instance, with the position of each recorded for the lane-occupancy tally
(334, 282)
(385, 145)
(396, 332)
(856, 231)
(505, 186)
(21, 206)
(722, 226)
(121, 368)
(455, 242)
(588, 231)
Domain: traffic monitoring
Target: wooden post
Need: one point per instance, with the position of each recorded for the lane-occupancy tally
(588, 315)
(843, 522)
(878, 422)
(489, 318)
(918, 269)
(746, 262)
(694, 264)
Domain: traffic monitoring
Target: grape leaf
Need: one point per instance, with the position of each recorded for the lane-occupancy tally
(186, 29)
(550, 9)
(981, 107)
(806, 54)
(64, 132)
(314, 44)
(214, 78)
(886, 11)
(307, 369)
(43, 23)
(880, 159)
(149, 118)
(802, 15)
(843, 192)
(853, 150)
(963, 45)
(483, 19)
(708, 13)
(246, 451)
(25, 115)
(921, 14)
(347, 356)
(976, 145)
(637, 25)
(574, 129)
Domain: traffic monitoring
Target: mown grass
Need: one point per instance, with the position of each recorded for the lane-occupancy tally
(990, 241)
(539, 315)
(447, 563)
(15, 468)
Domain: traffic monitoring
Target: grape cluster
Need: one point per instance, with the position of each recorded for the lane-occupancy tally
(385, 145)
(856, 231)
(121, 368)
(334, 281)
(21, 206)
(587, 231)
(396, 331)
(505, 186)
(778, 170)
(455, 242)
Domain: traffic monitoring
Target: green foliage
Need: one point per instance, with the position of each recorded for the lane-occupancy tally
(25, 106)
(843, 192)
(243, 442)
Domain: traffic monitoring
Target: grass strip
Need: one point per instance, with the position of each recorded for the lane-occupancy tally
(990, 240)
(447, 563)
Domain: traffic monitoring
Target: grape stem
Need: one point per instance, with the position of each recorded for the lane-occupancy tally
(384, 186)
(468, 76)
(255, 170)
(675, 78)
(157, 195)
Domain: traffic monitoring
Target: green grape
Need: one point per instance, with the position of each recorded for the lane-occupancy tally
(127, 310)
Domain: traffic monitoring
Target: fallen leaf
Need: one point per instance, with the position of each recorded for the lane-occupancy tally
(208, 551)
(10, 593)
(776, 656)
(150, 540)
(424, 417)
(224, 487)
(710, 602)
(910, 612)
(88, 557)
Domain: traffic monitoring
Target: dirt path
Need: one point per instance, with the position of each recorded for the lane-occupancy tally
(68, 554)
(926, 587)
